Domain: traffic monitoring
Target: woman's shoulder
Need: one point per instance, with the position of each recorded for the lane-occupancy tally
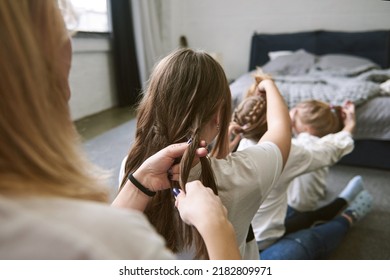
(94, 230)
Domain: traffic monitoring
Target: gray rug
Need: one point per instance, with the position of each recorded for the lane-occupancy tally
(367, 240)
(108, 149)
(370, 238)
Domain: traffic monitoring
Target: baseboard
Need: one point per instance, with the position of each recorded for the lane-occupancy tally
(369, 153)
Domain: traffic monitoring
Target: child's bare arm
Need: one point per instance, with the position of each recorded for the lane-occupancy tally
(350, 118)
(278, 118)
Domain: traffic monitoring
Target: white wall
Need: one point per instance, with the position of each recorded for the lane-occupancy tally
(225, 27)
(91, 77)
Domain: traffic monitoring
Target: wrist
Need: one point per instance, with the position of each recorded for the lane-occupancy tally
(131, 197)
(349, 127)
(140, 184)
(268, 83)
(211, 226)
(216, 236)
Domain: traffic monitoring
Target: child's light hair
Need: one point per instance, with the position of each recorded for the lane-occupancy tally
(322, 117)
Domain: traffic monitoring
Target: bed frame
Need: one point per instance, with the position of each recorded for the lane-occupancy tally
(374, 45)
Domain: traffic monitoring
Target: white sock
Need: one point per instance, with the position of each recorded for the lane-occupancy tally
(352, 189)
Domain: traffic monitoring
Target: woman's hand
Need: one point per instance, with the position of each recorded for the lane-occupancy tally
(154, 175)
(200, 207)
(157, 170)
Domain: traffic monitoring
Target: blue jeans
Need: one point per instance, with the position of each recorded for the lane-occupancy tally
(309, 244)
(290, 211)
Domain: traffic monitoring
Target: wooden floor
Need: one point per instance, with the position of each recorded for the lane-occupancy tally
(95, 125)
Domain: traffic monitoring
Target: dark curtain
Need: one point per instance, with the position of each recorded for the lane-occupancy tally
(126, 72)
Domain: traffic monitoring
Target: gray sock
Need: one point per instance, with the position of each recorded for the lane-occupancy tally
(360, 206)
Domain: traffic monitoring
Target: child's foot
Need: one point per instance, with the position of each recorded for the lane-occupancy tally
(353, 188)
(359, 207)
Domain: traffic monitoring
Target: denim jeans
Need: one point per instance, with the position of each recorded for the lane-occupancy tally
(309, 244)
(290, 211)
(296, 220)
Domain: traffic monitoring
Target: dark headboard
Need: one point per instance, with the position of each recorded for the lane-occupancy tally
(374, 45)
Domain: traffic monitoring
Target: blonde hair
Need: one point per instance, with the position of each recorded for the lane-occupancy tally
(186, 89)
(39, 152)
(320, 116)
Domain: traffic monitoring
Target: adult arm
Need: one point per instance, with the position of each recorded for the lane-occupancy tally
(152, 174)
(200, 207)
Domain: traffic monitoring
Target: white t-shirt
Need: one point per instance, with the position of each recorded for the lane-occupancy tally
(307, 153)
(243, 179)
(69, 229)
(306, 191)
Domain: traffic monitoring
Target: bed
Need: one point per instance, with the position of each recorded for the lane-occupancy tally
(332, 66)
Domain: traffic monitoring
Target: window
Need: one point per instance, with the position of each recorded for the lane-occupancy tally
(92, 16)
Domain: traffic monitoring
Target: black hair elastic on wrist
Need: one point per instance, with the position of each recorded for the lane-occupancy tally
(139, 186)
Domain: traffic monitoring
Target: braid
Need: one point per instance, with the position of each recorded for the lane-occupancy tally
(251, 114)
(207, 178)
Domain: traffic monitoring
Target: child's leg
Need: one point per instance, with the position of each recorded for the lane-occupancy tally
(302, 220)
(309, 244)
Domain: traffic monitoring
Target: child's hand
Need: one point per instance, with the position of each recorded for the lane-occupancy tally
(263, 87)
(235, 131)
(349, 116)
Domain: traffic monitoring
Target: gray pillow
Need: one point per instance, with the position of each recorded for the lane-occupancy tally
(297, 63)
(342, 62)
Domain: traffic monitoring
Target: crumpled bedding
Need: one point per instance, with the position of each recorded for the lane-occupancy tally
(361, 84)
(331, 88)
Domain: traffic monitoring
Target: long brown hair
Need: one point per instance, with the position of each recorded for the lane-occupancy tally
(186, 89)
(39, 152)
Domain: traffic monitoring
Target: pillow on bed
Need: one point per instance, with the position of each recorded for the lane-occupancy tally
(297, 63)
(276, 54)
(342, 62)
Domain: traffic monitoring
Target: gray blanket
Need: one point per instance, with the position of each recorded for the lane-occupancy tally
(332, 78)
(331, 88)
